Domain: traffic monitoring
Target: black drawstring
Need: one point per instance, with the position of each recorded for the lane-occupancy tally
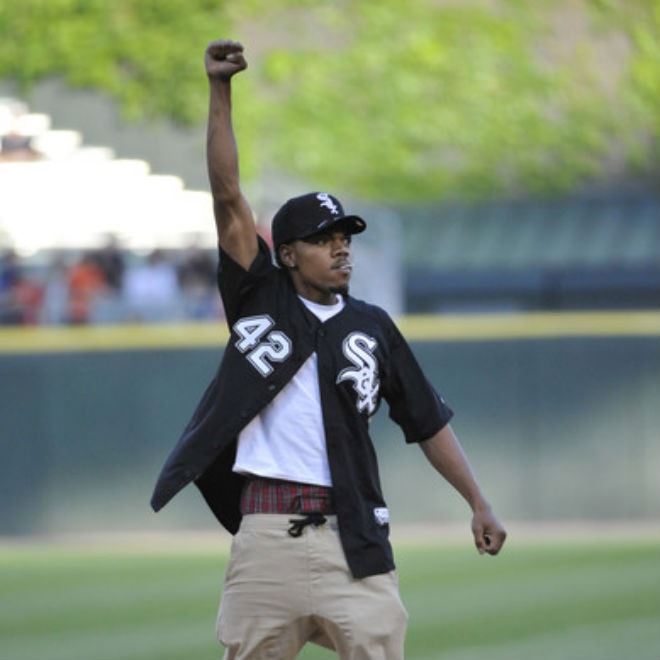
(297, 525)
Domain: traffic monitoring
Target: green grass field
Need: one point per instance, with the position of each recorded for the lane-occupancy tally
(583, 599)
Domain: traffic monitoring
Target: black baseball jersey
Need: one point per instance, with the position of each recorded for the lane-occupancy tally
(362, 360)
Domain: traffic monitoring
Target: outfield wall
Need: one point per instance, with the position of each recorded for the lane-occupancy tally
(560, 415)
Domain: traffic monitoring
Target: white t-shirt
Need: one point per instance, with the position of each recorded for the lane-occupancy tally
(286, 440)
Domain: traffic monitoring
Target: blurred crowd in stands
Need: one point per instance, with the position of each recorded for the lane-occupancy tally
(109, 285)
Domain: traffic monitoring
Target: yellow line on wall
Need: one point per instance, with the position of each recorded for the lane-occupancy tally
(58, 339)
(533, 325)
(460, 328)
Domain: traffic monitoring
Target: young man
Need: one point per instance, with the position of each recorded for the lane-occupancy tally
(279, 444)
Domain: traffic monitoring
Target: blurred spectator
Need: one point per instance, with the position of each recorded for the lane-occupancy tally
(56, 292)
(9, 276)
(197, 278)
(110, 259)
(21, 297)
(29, 296)
(86, 283)
(9, 268)
(151, 290)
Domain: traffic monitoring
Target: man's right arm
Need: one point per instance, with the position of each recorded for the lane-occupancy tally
(233, 217)
(445, 453)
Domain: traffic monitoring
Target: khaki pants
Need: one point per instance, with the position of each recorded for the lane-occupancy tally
(281, 592)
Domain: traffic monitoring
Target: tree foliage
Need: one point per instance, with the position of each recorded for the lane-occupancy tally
(143, 53)
(399, 99)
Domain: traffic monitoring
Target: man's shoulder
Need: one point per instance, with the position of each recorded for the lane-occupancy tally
(368, 315)
(357, 306)
(263, 286)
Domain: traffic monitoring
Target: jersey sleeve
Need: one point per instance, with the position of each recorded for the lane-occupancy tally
(235, 282)
(414, 403)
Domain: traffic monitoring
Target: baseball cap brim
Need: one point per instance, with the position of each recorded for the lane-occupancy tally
(351, 224)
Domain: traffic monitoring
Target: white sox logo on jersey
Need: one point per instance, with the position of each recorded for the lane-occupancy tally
(359, 349)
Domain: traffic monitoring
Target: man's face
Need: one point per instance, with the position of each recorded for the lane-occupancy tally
(320, 265)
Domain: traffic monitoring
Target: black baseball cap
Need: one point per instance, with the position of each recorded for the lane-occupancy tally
(306, 215)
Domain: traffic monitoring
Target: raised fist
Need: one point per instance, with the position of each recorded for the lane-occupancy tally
(223, 59)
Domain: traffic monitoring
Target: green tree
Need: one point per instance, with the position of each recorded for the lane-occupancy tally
(399, 99)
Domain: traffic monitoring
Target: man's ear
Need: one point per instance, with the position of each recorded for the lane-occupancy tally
(287, 257)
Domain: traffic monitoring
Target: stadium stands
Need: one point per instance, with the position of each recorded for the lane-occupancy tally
(592, 252)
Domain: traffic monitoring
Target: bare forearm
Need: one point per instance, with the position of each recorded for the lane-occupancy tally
(445, 453)
(221, 148)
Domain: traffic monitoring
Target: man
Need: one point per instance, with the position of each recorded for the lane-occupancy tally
(279, 444)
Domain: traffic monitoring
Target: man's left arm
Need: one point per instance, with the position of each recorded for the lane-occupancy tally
(445, 453)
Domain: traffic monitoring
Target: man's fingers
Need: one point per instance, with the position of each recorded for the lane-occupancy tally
(236, 58)
(480, 542)
(494, 542)
(490, 543)
(223, 55)
(225, 50)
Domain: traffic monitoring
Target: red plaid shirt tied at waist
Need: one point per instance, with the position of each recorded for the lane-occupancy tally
(274, 496)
